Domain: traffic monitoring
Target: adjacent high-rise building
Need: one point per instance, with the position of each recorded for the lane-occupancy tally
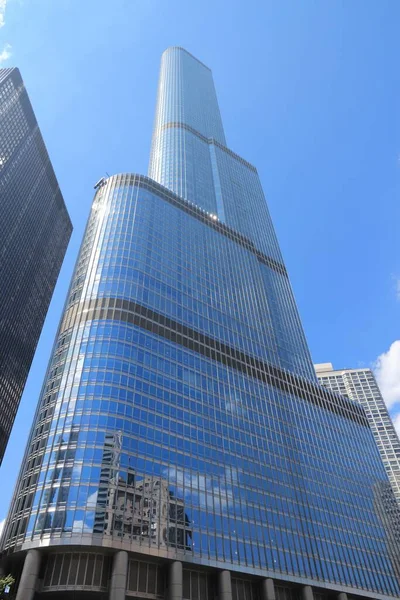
(34, 232)
(360, 385)
(182, 447)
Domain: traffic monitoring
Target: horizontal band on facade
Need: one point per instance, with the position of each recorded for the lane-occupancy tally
(181, 125)
(136, 314)
(201, 215)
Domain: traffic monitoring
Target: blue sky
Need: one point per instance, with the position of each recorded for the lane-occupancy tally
(309, 93)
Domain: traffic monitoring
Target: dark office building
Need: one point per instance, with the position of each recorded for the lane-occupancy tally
(182, 448)
(34, 232)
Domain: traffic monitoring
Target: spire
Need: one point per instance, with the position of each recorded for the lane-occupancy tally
(187, 117)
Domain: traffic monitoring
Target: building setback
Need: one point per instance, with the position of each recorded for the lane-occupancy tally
(34, 232)
(360, 385)
(182, 447)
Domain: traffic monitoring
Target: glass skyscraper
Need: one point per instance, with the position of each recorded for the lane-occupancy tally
(34, 232)
(182, 447)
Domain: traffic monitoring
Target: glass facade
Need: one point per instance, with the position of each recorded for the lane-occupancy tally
(34, 232)
(179, 418)
(189, 157)
(360, 385)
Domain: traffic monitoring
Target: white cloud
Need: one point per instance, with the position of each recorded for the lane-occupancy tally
(387, 372)
(235, 406)
(80, 525)
(6, 52)
(2, 526)
(2, 11)
(214, 492)
(396, 423)
(92, 499)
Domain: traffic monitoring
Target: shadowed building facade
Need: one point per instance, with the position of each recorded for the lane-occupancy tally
(34, 232)
(182, 447)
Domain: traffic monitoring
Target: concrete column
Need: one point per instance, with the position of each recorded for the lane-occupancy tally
(119, 575)
(342, 596)
(30, 572)
(175, 581)
(224, 585)
(307, 593)
(267, 589)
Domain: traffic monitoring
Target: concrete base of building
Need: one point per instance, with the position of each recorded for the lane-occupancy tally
(93, 573)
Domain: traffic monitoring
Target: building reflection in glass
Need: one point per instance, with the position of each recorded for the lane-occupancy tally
(134, 507)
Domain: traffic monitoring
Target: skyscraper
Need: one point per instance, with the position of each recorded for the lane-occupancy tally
(360, 385)
(182, 446)
(34, 232)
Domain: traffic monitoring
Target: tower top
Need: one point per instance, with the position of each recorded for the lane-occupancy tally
(323, 367)
(180, 49)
